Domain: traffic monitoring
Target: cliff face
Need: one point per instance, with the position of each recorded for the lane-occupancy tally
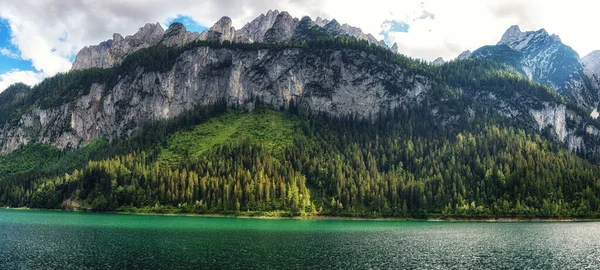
(337, 82)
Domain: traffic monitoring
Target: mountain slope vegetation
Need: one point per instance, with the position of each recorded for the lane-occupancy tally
(469, 150)
(330, 166)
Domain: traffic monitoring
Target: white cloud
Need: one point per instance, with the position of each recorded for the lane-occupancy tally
(49, 33)
(8, 53)
(14, 76)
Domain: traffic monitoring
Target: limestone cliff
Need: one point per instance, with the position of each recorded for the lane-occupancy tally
(337, 82)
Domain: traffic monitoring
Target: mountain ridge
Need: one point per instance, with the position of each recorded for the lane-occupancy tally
(272, 27)
(545, 59)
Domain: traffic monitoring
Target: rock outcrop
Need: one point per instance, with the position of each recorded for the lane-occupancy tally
(111, 53)
(221, 31)
(177, 36)
(438, 61)
(395, 48)
(591, 64)
(255, 30)
(282, 29)
(464, 55)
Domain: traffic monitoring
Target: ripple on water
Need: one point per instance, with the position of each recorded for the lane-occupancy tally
(57, 240)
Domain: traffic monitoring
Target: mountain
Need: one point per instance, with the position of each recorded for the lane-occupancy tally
(310, 120)
(591, 63)
(438, 61)
(325, 75)
(545, 59)
(336, 81)
(272, 27)
(110, 53)
(464, 55)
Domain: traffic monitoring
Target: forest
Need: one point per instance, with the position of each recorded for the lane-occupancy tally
(330, 166)
(287, 161)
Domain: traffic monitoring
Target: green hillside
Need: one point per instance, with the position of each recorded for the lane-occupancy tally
(267, 162)
(272, 130)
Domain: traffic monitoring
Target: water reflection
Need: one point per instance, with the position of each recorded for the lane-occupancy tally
(41, 239)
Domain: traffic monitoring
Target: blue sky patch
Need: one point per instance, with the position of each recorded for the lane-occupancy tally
(393, 26)
(9, 54)
(188, 22)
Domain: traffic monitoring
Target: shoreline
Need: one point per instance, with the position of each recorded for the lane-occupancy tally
(328, 217)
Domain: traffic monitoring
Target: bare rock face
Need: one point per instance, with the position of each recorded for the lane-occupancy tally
(394, 48)
(336, 82)
(255, 30)
(272, 27)
(438, 61)
(321, 22)
(111, 53)
(358, 33)
(177, 36)
(333, 28)
(464, 55)
(221, 31)
(306, 29)
(282, 29)
(591, 64)
(545, 59)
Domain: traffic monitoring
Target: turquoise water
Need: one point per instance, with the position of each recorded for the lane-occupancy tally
(62, 240)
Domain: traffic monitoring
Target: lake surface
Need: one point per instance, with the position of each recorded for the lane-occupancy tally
(62, 240)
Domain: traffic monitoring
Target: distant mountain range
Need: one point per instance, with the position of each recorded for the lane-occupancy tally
(539, 56)
(545, 59)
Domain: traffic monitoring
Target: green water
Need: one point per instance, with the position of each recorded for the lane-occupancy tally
(61, 240)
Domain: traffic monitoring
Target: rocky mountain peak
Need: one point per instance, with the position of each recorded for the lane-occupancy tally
(177, 35)
(282, 29)
(321, 22)
(511, 35)
(175, 28)
(272, 27)
(591, 64)
(306, 29)
(394, 48)
(110, 53)
(150, 33)
(438, 61)
(255, 30)
(517, 40)
(545, 59)
(464, 55)
(220, 31)
(116, 38)
(333, 28)
(359, 34)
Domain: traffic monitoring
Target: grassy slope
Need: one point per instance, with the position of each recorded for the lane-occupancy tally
(271, 129)
(45, 158)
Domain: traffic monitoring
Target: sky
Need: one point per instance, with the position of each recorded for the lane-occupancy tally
(40, 38)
